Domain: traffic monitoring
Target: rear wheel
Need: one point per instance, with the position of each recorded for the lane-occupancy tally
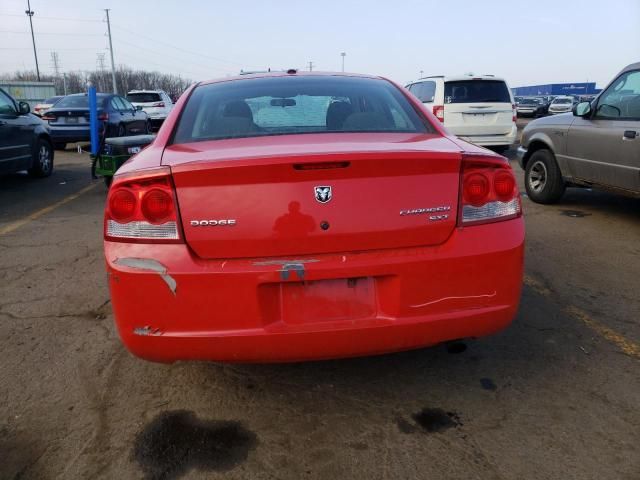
(542, 178)
(42, 164)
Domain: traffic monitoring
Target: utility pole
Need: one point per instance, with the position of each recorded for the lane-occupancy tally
(343, 54)
(421, 73)
(64, 83)
(311, 66)
(30, 13)
(113, 65)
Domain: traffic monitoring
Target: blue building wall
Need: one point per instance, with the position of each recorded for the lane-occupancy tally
(585, 88)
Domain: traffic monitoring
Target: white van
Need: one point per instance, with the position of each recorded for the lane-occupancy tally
(477, 108)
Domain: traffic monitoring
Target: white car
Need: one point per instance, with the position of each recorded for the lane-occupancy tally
(155, 103)
(477, 108)
(562, 104)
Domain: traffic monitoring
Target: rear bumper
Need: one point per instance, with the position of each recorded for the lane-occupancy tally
(491, 140)
(173, 306)
(69, 134)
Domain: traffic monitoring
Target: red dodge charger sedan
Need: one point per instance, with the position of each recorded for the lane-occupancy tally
(296, 216)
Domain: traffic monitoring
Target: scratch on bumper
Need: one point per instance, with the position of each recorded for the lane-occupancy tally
(149, 265)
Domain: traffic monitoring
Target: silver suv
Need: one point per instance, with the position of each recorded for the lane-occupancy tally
(597, 145)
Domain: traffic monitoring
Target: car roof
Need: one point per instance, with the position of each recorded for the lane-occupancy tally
(145, 91)
(458, 78)
(633, 66)
(296, 73)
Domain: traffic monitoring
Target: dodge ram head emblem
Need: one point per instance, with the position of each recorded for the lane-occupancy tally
(323, 194)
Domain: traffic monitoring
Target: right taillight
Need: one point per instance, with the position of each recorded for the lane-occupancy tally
(142, 208)
(488, 191)
(438, 111)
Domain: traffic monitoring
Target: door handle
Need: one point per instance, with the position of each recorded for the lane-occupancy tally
(629, 135)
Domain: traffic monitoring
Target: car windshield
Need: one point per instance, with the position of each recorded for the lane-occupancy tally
(144, 97)
(476, 91)
(257, 107)
(529, 101)
(562, 101)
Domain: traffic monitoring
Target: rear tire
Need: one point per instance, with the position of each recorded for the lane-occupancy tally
(543, 178)
(42, 164)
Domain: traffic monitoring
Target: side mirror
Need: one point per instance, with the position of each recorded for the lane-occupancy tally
(138, 108)
(582, 109)
(23, 108)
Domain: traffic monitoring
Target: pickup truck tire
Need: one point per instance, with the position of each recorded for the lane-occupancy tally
(542, 178)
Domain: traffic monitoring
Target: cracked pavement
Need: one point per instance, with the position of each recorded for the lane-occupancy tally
(550, 397)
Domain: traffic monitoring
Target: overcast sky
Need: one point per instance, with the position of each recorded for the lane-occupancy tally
(530, 42)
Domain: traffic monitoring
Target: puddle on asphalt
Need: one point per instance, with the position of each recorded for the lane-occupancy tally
(574, 213)
(456, 347)
(488, 384)
(433, 420)
(176, 442)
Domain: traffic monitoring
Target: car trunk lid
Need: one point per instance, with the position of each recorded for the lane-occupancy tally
(312, 194)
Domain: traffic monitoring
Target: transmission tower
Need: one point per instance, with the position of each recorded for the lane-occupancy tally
(55, 61)
(101, 68)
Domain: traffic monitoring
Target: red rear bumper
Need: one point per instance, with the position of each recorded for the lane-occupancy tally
(169, 305)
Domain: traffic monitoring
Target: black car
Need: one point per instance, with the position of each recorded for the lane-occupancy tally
(25, 143)
(530, 107)
(69, 118)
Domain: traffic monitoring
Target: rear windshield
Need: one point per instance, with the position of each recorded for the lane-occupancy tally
(79, 101)
(295, 105)
(530, 101)
(144, 97)
(476, 91)
(563, 101)
(52, 100)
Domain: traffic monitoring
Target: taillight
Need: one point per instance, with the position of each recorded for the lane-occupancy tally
(48, 117)
(158, 104)
(488, 191)
(104, 116)
(514, 117)
(438, 111)
(142, 208)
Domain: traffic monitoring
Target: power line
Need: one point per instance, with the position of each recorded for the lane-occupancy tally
(19, 32)
(68, 19)
(137, 34)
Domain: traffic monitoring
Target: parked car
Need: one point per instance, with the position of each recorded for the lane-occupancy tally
(530, 107)
(156, 103)
(561, 104)
(25, 143)
(69, 118)
(40, 108)
(296, 216)
(596, 146)
(478, 109)
(545, 101)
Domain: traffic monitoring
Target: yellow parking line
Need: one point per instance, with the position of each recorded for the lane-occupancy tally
(37, 214)
(627, 346)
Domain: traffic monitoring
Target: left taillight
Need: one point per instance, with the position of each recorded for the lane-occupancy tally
(514, 111)
(142, 208)
(488, 191)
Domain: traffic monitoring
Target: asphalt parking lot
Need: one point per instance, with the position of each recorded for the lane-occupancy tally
(554, 396)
